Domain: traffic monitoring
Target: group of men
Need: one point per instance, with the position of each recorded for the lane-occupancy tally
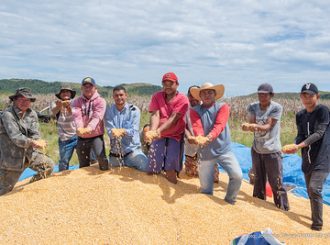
(194, 126)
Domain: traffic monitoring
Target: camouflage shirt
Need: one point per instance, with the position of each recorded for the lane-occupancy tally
(16, 132)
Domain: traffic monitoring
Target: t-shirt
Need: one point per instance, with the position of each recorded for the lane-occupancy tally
(266, 142)
(178, 104)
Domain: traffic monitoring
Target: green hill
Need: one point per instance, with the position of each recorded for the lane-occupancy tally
(8, 86)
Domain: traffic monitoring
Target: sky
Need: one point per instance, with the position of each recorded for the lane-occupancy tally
(240, 44)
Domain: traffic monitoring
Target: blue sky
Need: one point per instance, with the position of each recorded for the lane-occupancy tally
(237, 43)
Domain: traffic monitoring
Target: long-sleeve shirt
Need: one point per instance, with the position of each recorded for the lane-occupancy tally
(212, 121)
(89, 113)
(129, 119)
(17, 131)
(311, 128)
(66, 126)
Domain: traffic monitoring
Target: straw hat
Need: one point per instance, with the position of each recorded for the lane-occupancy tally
(219, 90)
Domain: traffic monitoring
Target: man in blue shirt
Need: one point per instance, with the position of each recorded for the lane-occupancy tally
(122, 121)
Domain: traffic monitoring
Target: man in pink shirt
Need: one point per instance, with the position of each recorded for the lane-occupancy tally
(88, 112)
(167, 125)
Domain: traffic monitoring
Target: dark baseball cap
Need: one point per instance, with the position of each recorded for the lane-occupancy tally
(309, 88)
(88, 80)
(265, 88)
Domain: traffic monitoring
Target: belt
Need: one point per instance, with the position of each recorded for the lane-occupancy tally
(120, 155)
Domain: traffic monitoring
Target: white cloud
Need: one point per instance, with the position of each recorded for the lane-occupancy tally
(239, 43)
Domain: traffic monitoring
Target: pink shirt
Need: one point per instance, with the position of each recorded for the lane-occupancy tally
(89, 113)
(178, 104)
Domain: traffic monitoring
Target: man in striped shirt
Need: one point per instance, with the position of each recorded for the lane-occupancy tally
(66, 128)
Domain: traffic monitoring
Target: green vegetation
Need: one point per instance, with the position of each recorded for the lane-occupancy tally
(42, 87)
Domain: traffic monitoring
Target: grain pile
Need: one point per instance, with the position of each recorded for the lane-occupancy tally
(125, 206)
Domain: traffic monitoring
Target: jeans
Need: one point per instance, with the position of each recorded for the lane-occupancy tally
(269, 166)
(230, 164)
(84, 148)
(314, 184)
(137, 159)
(66, 150)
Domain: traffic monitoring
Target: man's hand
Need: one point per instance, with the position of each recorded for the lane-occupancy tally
(202, 140)
(192, 140)
(58, 104)
(40, 144)
(151, 135)
(118, 132)
(252, 127)
(66, 103)
(84, 131)
(290, 149)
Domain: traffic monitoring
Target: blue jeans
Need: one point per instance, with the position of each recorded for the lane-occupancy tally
(137, 159)
(66, 150)
(230, 164)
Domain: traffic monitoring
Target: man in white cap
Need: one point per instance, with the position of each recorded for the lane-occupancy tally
(209, 122)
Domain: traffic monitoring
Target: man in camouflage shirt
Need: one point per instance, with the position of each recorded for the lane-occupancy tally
(20, 143)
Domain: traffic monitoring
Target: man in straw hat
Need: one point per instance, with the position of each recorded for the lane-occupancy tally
(264, 120)
(209, 122)
(20, 143)
(190, 149)
(168, 108)
(66, 127)
(88, 113)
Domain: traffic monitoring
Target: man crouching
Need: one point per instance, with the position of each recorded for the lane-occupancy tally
(20, 143)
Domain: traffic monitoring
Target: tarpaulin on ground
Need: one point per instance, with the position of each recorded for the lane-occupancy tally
(292, 173)
(29, 172)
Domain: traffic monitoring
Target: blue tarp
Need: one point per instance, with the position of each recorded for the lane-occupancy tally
(29, 172)
(292, 174)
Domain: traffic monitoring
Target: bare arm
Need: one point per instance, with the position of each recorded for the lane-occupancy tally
(154, 120)
(170, 122)
(267, 126)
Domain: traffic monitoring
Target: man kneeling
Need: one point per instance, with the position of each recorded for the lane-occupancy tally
(122, 122)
